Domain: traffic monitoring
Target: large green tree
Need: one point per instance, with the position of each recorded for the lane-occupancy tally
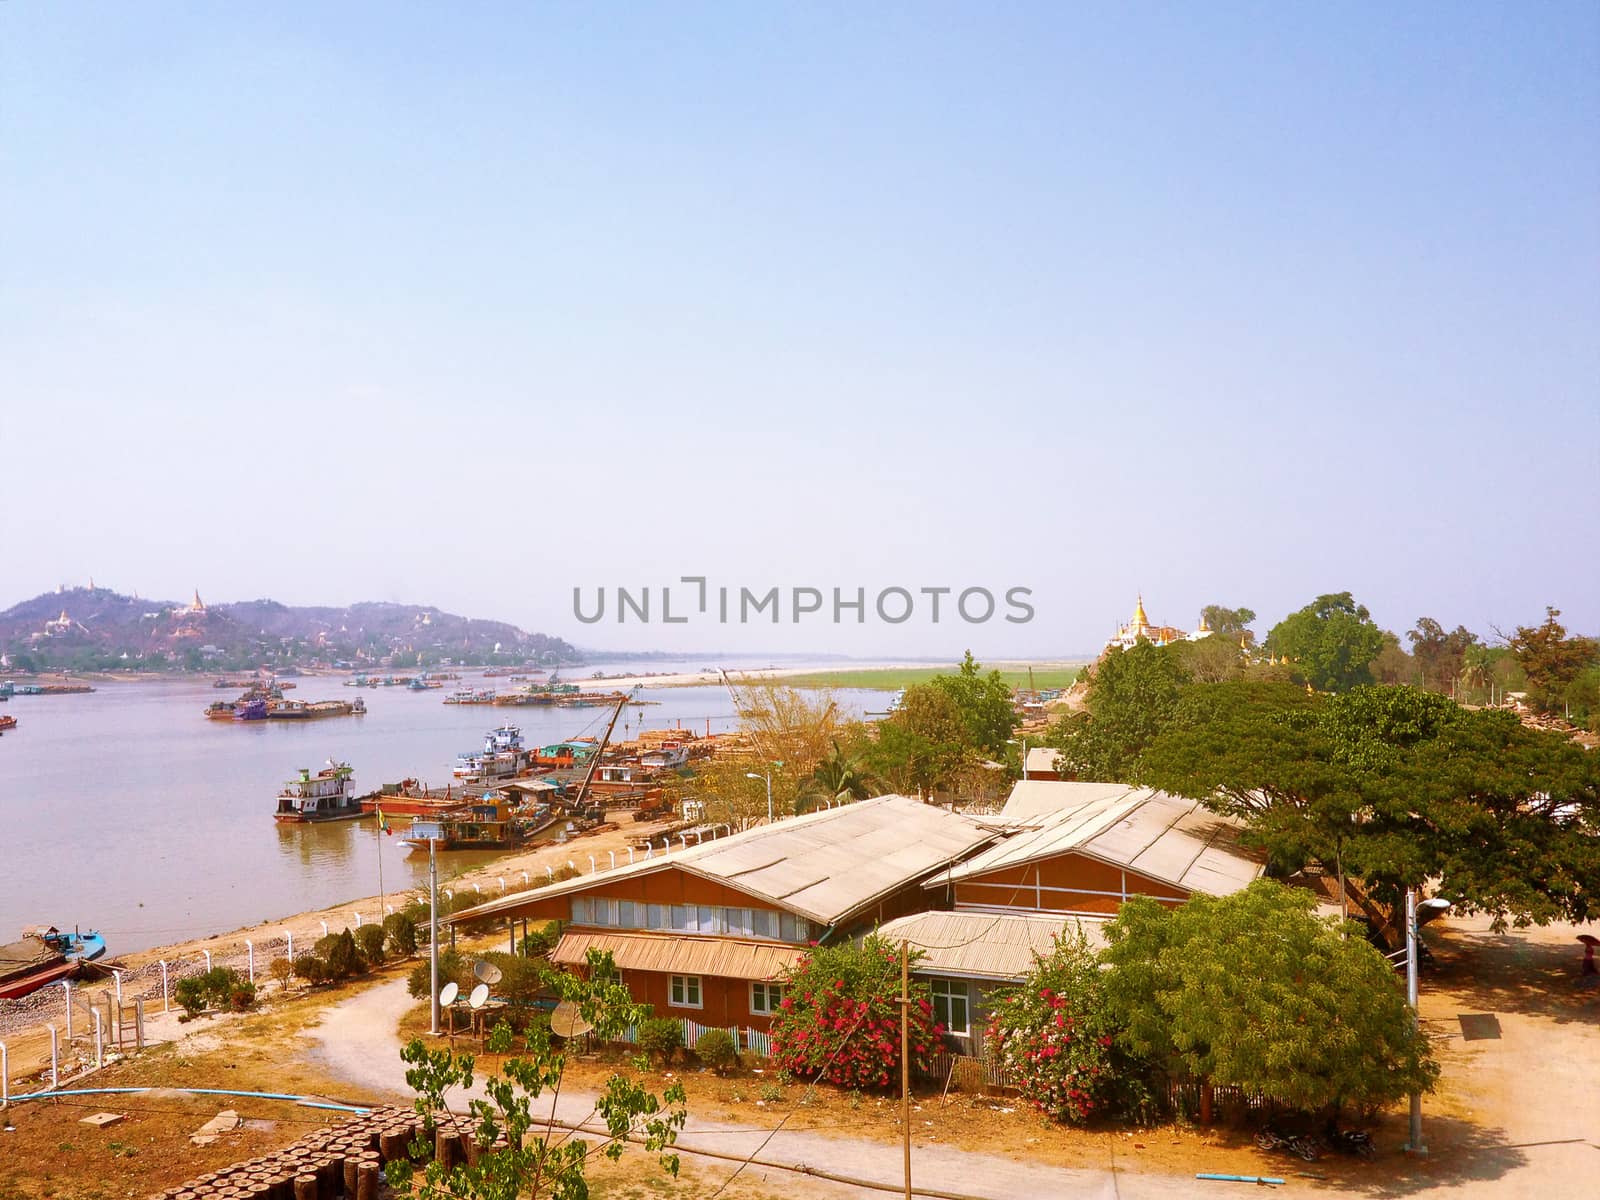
(1132, 695)
(1254, 991)
(984, 702)
(922, 745)
(1395, 786)
(1332, 642)
(1232, 623)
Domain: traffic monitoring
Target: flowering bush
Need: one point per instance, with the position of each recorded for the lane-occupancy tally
(839, 1020)
(1052, 1036)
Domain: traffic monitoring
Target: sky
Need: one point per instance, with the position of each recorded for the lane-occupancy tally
(476, 306)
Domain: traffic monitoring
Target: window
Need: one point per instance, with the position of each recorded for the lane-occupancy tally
(680, 918)
(764, 923)
(626, 916)
(582, 911)
(793, 929)
(765, 998)
(950, 1006)
(656, 916)
(685, 991)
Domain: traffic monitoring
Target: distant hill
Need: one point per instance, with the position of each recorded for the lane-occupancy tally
(98, 629)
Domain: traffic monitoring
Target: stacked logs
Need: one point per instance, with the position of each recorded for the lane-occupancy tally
(340, 1162)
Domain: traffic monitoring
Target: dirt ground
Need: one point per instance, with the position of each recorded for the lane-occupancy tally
(1516, 1114)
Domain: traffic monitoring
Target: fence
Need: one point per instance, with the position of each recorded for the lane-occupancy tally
(752, 1041)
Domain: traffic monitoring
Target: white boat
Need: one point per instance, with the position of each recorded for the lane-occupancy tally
(502, 757)
(329, 795)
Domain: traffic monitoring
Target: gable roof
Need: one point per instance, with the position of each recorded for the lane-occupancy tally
(1164, 837)
(824, 866)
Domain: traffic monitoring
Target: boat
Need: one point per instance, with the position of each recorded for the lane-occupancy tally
(502, 757)
(250, 710)
(45, 956)
(7, 690)
(470, 696)
(329, 795)
(289, 710)
(221, 710)
(7, 722)
(491, 823)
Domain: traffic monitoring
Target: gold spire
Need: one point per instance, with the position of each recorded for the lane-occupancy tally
(1140, 621)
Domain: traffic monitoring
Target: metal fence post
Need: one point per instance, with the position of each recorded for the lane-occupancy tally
(99, 1039)
(55, 1058)
(250, 958)
(166, 1002)
(66, 986)
(5, 1076)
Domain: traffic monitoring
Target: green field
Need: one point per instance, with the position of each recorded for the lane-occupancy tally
(893, 678)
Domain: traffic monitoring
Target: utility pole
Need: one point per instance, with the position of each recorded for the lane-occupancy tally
(433, 940)
(905, 1060)
(1415, 1146)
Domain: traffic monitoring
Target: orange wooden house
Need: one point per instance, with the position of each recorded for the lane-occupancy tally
(706, 932)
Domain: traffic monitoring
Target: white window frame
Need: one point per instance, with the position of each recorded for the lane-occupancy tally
(771, 994)
(948, 990)
(680, 984)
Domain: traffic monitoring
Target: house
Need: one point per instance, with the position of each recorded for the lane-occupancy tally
(1042, 763)
(706, 932)
(1071, 855)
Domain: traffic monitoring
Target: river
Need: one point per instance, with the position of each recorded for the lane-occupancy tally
(126, 810)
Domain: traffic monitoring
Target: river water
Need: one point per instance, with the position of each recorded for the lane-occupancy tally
(127, 811)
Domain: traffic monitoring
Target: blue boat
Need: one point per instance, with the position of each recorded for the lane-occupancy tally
(79, 945)
(250, 710)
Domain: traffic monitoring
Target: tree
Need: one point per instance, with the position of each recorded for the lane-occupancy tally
(338, 954)
(1551, 660)
(1396, 787)
(1232, 623)
(1132, 696)
(400, 933)
(1393, 665)
(985, 705)
(520, 1156)
(369, 943)
(1254, 991)
(837, 779)
(1215, 659)
(1440, 656)
(922, 745)
(1332, 642)
(839, 1019)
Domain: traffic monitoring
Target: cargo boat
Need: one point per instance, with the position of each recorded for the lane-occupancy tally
(491, 823)
(7, 722)
(45, 956)
(329, 795)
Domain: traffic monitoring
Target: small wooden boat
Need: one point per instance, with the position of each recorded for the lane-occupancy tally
(7, 722)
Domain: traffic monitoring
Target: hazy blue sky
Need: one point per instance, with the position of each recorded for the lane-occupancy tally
(470, 305)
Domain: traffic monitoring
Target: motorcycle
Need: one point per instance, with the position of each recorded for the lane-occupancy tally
(1351, 1141)
(1302, 1146)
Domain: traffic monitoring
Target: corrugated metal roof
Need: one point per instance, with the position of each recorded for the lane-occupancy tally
(1042, 758)
(824, 866)
(981, 945)
(1164, 837)
(680, 955)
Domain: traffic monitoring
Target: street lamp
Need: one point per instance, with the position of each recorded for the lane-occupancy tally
(1417, 915)
(1023, 742)
(768, 778)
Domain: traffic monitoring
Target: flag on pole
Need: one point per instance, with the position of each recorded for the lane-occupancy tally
(383, 822)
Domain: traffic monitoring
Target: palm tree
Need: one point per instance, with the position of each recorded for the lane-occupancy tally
(837, 779)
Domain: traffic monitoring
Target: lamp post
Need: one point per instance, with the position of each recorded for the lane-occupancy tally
(1429, 909)
(1023, 742)
(768, 778)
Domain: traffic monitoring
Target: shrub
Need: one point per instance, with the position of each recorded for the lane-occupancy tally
(1052, 1034)
(338, 952)
(220, 987)
(400, 934)
(280, 970)
(660, 1038)
(451, 966)
(369, 943)
(839, 1020)
(311, 968)
(717, 1050)
(522, 980)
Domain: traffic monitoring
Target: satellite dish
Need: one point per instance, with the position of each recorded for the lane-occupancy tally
(479, 997)
(449, 992)
(566, 1021)
(487, 972)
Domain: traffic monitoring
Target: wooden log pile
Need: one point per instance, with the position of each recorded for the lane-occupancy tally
(339, 1162)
